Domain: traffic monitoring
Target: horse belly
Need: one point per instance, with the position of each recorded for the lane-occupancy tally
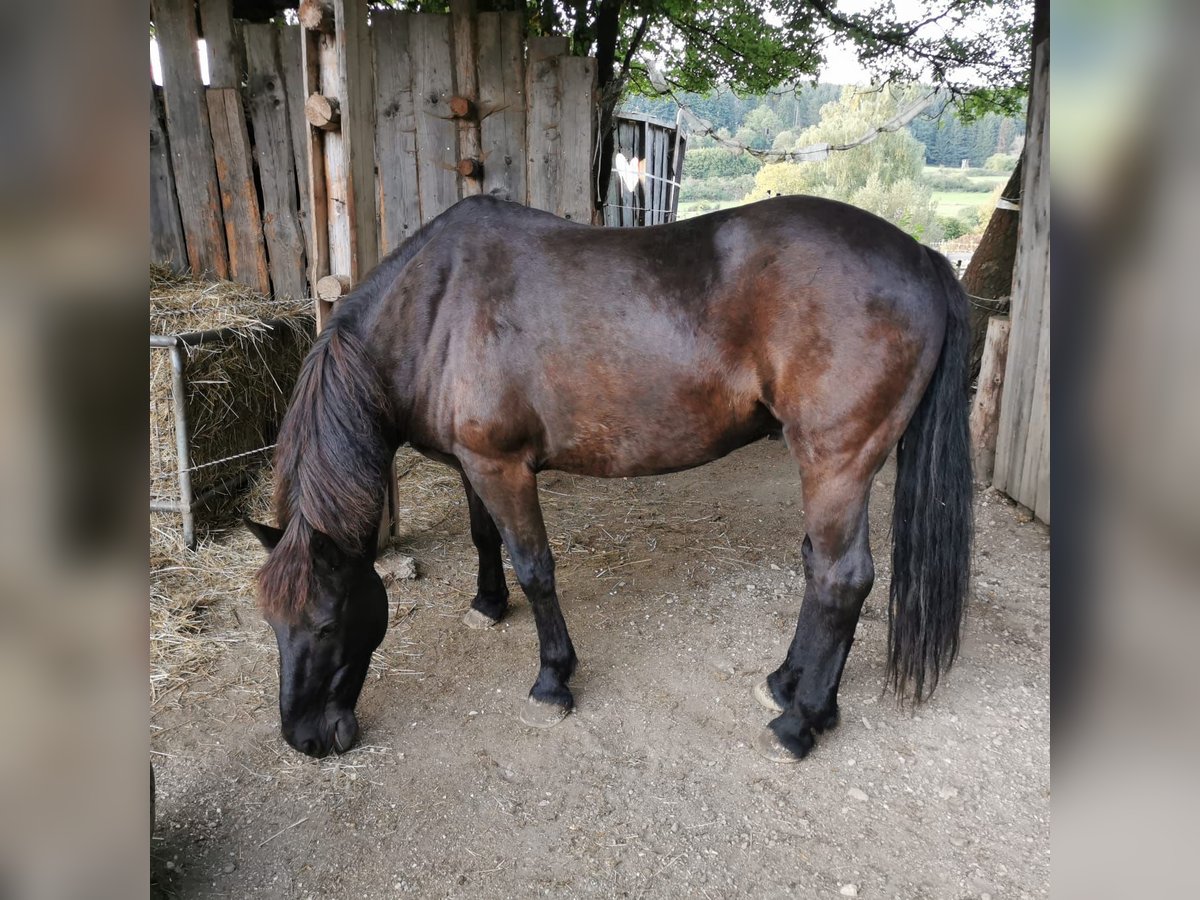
(637, 434)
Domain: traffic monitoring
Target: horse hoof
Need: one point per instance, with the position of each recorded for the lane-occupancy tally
(475, 619)
(762, 693)
(769, 747)
(537, 714)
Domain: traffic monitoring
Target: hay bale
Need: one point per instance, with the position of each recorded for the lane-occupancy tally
(236, 389)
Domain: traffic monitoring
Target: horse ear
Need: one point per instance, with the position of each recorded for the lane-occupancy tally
(326, 551)
(267, 535)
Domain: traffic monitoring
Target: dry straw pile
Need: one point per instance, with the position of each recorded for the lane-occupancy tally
(237, 388)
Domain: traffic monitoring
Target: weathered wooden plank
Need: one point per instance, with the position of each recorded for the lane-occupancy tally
(226, 63)
(437, 135)
(289, 38)
(542, 125)
(189, 137)
(502, 103)
(356, 93)
(167, 244)
(266, 89)
(395, 130)
(239, 199)
(463, 18)
(1022, 451)
(577, 125)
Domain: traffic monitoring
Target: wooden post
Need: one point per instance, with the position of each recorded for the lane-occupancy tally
(985, 411)
(323, 112)
(338, 70)
(317, 15)
(464, 17)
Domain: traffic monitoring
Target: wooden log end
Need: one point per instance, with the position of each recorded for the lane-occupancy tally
(470, 168)
(332, 287)
(322, 112)
(463, 108)
(317, 15)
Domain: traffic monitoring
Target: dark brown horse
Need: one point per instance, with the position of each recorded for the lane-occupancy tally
(504, 341)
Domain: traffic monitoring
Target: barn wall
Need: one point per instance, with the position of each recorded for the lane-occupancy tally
(275, 204)
(1023, 445)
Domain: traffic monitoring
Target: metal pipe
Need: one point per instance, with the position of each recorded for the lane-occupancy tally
(195, 338)
(179, 399)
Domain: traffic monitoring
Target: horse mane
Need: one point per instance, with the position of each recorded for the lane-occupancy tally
(331, 457)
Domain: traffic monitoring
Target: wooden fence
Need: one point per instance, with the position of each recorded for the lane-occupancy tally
(1023, 442)
(244, 186)
(655, 199)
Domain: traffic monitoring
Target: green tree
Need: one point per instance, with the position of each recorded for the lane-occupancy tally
(759, 129)
(881, 176)
(754, 46)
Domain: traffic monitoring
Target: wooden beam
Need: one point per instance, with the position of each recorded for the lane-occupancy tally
(317, 15)
(190, 138)
(323, 112)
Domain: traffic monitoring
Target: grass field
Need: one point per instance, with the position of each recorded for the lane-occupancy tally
(948, 202)
(689, 208)
(954, 203)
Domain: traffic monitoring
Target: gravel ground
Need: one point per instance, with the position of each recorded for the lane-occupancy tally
(679, 592)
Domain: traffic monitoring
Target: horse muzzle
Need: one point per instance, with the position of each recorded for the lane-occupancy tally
(338, 733)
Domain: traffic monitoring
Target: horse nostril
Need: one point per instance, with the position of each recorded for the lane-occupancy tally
(345, 732)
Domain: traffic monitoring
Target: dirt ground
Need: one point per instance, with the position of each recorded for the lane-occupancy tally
(680, 592)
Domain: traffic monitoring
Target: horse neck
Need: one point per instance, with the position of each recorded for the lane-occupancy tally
(337, 442)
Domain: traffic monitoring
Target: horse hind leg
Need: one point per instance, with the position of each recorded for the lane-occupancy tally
(491, 596)
(838, 573)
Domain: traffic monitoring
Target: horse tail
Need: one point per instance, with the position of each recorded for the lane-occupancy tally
(932, 519)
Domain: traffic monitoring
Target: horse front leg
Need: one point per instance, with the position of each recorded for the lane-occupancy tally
(509, 492)
(491, 596)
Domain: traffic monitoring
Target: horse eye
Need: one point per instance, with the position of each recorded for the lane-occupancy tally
(326, 630)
